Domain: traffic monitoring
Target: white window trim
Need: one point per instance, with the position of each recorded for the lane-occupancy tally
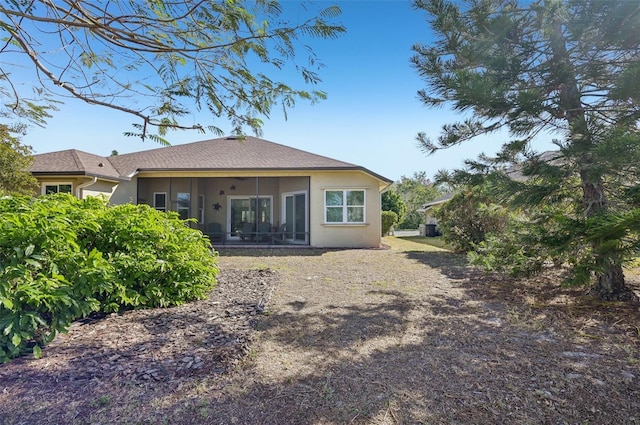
(344, 207)
(45, 184)
(165, 201)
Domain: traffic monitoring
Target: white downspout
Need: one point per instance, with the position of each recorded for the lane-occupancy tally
(83, 185)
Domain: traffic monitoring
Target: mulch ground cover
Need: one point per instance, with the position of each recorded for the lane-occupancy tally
(343, 336)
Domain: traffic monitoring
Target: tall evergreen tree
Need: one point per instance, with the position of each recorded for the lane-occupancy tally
(568, 68)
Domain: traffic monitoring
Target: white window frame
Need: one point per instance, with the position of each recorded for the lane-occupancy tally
(158, 207)
(57, 184)
(346, 207)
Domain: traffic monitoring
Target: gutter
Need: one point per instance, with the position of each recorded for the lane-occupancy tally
(83, 185)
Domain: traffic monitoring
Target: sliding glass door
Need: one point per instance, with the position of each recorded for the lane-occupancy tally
(245, 213)
(295, 216)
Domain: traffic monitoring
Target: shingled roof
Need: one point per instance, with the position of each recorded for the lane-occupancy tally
(224, 154)
(74, 162)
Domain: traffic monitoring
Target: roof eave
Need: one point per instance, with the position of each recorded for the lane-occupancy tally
(77, 174)
(271, 169)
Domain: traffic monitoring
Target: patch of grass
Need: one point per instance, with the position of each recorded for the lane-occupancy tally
(103, 400)
(381, 284)
(415, 243)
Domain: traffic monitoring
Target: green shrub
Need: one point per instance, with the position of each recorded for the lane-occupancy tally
(391, 201)
(469, 218)
(62, 258)
(389, 218)
(47, 279)
(412, 220)
(159, 261)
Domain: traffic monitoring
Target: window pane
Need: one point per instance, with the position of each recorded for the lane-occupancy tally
(64, 188)
(355, 197)
(264, 210)
(334, 214)
(51, 189)
(334, 197)
(355, 214)
(184, 200)
(160, 200)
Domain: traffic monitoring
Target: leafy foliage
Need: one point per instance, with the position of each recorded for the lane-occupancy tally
(15, 160)
(470, 217)
(389, 218)
(415, 191)
(158, 261)
(62, 259)
(391, 201)
(527, 69)
(161, 60)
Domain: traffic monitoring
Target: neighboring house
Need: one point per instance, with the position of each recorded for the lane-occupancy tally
(514, 172)
(244, 190)
(430, 222)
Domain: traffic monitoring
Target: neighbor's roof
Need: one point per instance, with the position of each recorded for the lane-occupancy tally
(551, 157)
(440, 200)
(224, 154)
(74, 162)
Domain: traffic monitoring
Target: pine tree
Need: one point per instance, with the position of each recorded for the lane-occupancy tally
(563, 67)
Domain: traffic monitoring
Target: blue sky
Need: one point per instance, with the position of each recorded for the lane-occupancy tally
(371, 116)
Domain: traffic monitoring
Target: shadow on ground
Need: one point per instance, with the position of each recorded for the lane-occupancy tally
(271, 252)
(450, 363)
(454, 266)
(483, 357)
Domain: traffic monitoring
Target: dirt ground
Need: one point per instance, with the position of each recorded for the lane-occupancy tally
(406, 335)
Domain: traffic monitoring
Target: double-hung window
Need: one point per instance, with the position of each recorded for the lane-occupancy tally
(344, 206)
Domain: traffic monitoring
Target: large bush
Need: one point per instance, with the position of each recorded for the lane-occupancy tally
(389, 218)
(63, 258)
(158, 261)
(469, 218)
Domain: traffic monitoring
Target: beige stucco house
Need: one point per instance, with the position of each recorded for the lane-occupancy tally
(240, 191)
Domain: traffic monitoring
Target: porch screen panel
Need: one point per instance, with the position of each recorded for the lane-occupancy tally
(240, 213)
(184, 205)
(300, 220)
(262, 211)
(289, 217)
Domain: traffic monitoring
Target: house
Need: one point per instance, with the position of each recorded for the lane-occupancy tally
(430, 222)
(240, 190)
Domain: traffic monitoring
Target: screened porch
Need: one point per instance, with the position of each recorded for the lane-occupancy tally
(236, 211)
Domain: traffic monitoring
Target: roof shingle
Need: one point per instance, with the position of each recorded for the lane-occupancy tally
(229, 153)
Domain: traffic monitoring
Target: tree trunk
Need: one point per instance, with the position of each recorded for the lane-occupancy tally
(610, 284)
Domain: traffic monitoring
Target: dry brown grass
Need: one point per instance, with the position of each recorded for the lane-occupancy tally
(409, 334)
